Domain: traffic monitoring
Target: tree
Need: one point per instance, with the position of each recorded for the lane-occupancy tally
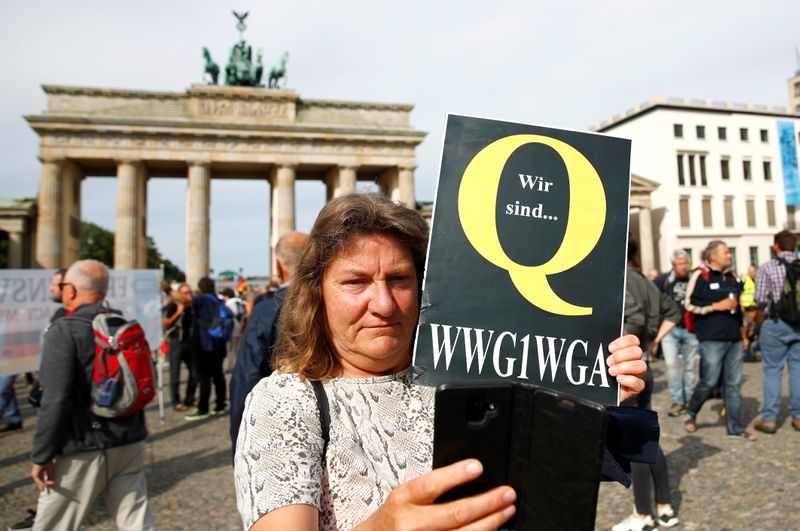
(98, 243)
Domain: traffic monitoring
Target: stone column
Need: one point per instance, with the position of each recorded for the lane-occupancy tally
(405, 187)
(15, 250)
(282, 181)
(126, 235)
(341, 181)
(646, 239)
(198, 229)
(71, 177)
(49, 217)
(141, 262)
(388, 184)
(16, 241)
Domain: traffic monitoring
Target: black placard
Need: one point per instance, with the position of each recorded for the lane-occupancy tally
(526, 265)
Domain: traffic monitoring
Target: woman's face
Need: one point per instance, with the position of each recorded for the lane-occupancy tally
(371, 306)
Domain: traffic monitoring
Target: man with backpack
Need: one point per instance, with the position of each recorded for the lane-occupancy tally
(78, 454)
(777, 286)
(681, 341)
(212, 330)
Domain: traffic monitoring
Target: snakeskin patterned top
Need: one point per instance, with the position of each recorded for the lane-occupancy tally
(381, 435)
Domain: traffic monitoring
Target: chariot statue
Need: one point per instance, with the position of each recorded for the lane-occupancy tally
(241, 69)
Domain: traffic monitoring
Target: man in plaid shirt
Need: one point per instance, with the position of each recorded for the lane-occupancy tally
(780, 341)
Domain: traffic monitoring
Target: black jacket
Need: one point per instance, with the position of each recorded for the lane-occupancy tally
(66, 424)
(254, 361)
(702, 293)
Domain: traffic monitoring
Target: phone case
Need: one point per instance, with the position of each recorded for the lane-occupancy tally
(546, 445)
(564, 464)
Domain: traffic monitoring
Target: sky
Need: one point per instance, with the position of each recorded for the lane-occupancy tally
(562, 63)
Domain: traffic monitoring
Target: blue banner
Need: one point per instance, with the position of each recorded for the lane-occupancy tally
(791, 180)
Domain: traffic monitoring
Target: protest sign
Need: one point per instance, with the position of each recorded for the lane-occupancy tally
(526, 264)
(26, 308)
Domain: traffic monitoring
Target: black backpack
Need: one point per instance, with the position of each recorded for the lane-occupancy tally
(787, 308)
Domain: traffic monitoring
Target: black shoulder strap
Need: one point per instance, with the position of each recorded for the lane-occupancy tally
(324, 414)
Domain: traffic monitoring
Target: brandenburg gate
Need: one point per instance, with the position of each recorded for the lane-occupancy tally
(207, 132)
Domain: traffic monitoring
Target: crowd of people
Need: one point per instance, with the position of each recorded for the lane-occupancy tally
(706, 323)
(328, 427)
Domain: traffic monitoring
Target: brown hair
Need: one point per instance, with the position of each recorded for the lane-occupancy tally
(786, 241)
(305, 347)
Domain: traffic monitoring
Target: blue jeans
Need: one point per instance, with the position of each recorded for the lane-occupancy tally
(780, 343)
(681, 380)
(717, 357)
(8, 399)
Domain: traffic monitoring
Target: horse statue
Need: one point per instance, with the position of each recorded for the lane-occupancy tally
(278, 72)
(257, 69)
(211, 68)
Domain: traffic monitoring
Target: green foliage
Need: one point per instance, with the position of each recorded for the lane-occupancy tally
(98, 243)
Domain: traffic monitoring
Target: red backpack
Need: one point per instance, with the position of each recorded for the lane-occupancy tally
(123, 370)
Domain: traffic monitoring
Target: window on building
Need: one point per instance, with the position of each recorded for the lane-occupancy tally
(743, 134)
(725, 169)
(722, 133)
(747, 170)
(764, 135)
(701, 132)
(728, 207)
(703, 180)
(684, 211)
(689, 252)
(791, 224)
(678, 130)
(767, 170)
(750, 205)
(771, 212)
(772, 253)
(754, 255)
(681, 178)
(692, 177)
(733, 260)
(707, 212)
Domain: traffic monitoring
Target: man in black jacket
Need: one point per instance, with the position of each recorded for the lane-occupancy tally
(76, 455)
(255, 353)
(712, 295)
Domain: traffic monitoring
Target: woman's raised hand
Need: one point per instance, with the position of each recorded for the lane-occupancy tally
(626, 365)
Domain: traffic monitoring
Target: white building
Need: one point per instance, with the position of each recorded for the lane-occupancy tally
(723, 172)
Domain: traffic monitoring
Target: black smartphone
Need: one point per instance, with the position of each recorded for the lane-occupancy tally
(473, 420)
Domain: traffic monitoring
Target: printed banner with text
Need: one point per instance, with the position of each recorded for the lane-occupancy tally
(26, 308)
(525, 272)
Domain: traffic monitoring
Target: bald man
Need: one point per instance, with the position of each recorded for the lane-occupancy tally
(77, 455)
(255, 354)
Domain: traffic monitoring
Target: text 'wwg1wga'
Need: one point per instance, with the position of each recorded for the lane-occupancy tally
(534, 183)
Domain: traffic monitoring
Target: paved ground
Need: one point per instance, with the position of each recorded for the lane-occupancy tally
(716, 483)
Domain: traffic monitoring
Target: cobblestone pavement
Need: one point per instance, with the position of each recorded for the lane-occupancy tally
(716, 483)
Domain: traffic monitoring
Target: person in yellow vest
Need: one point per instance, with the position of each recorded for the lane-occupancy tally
(752, 316)
(747, 298)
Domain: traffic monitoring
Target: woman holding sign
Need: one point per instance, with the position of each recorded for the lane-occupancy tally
(349, 321)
